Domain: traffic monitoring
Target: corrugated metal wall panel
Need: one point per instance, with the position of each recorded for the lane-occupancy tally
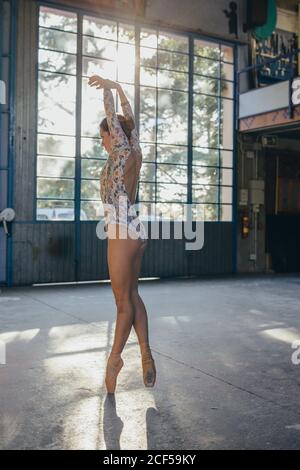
(163, 258)
(26, 105)
(43, 252)
(93, 263)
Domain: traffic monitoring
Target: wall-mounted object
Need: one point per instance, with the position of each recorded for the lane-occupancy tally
(245, 223)
(269, 140)
(257, 192)
(257, 14)
(279, 43)
(243, 200)
(264, 31)
(232, 16)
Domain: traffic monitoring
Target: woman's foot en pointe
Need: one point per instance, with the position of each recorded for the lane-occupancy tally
(113, 367)
(149, 370)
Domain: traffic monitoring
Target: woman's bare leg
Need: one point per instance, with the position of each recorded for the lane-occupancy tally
(141, 325)
(121, 256)
(140, 318)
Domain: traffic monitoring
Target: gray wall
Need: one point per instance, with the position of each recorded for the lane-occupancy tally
(202, 15)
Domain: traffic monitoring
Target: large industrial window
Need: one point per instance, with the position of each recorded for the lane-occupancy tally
(183, 88)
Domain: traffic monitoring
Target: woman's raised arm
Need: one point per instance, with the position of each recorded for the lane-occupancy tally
(118, 137)
(127, 111)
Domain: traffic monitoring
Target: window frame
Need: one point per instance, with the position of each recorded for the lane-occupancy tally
(138, 25)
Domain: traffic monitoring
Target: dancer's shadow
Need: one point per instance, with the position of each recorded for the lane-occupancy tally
(112, 424)
(153, 426)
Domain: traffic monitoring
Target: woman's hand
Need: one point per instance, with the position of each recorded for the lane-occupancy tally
(99, 82)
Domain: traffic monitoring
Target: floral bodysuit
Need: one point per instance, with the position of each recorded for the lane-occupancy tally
(119, 176)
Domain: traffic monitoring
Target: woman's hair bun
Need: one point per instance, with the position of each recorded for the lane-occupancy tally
(127, 125)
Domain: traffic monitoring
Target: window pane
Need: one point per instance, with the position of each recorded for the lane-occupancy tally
(91, 210)
(170, 60)
(146, 192)
(101, 28)
(56, 103)
(205, 212)
(107, 68)
(56, 145)
(146, 210)
(173, 42)
(226, 158)
(90, 189)
(147, 172)
(205, 156)
(172, 117)
(207, 49)
(172, 193)
(171, 154)
(126, 33)
(226, 53)
(211, 213)
(148, 76)
(174, 80)
(205, 193)
(147, 114)
(55, 188)
(52, 18)
(172, 174)
(226, 194)
(57, 62)
(227, 71)
(126, 63)
(226, 177)
(206, 121)
(213, 86)
(57, 40)
(91, 168)
(148, 57)
(209, 86)
(55, 166)
(207, 67)
(92, 148)
(148, 38)
(99, 48)
(226, 213)
(168, 211)
(55, 210)
(205, 175)
(148, 151)
(226, 124)
(226, 89)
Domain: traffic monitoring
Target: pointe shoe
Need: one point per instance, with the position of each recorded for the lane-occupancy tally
(112, 371)
(149, 371)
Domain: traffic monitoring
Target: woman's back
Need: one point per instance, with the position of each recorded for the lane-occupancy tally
(131, 173)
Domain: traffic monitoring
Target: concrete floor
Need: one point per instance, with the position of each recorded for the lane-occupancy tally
(225, 378)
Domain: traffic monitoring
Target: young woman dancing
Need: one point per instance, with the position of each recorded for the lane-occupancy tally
(118, 183)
